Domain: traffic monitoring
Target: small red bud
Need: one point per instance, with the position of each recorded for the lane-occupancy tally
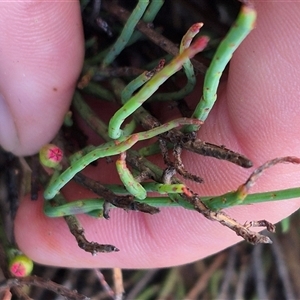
(20, 266)
(51, 156)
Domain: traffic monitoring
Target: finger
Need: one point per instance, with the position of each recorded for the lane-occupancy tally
(256, 114)
(41, 57)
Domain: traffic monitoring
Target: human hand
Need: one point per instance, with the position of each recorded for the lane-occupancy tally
(252, 116)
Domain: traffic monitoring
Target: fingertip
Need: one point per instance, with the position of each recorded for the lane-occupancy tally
(261, 79)
(40, 60)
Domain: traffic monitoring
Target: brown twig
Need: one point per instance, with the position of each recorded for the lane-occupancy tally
(282, 270)
(141, 284)
(101, 74)
(243, 190)
(104, 284)
(191, 144)
(43, 283)
(179, 166)
(78, 232)
(258, 272)
(118, 283)
(125, 202)
(229, 274)
(201, 283)
(243, 276)
(225, 220)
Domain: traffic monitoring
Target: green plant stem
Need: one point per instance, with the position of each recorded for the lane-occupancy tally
(214, 203)
(108, 149)
(139, 81)
(151, 86)
(98, 91)
(90, 117)
(237, 33)
(126, 33)
(148, 17)
(187, 67)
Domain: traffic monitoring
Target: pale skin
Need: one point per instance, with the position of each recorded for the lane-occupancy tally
(257, 114)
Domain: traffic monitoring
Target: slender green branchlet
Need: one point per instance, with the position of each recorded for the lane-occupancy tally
(151, 86)
(240, 29)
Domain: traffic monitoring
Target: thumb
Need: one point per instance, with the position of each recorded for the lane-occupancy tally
(40, 60)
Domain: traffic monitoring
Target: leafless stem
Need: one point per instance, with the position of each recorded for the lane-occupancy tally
(203, 280)
(123, 15)
(118, 283)
(78, 232)
(104, 284)
(224, 219)
(43, 283)
(125, 202)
